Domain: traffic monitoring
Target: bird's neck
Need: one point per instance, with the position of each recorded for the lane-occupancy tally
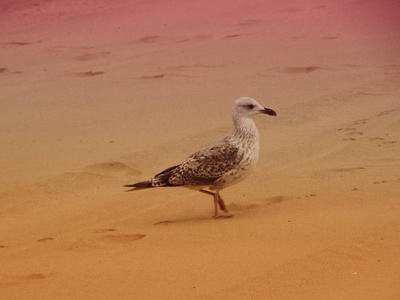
(245, 128)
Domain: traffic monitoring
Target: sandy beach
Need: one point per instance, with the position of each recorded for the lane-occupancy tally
(95, 95)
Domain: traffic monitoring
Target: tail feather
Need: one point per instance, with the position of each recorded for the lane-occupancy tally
(139, 186)
(161, 179)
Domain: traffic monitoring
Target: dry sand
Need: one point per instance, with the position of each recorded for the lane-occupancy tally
(96, 95)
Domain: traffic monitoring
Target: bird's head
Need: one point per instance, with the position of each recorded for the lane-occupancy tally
(248, 107)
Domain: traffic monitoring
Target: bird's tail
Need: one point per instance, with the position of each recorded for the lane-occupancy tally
(161, 179)
(139, 186)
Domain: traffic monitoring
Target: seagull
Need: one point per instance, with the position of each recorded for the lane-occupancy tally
(220, 164)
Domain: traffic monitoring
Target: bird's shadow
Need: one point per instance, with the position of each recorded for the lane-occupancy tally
(195, 220)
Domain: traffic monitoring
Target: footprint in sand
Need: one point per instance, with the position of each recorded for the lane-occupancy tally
(158, 76)
(389, 142)
(299, 70)
(91, 56)
(32, 276)
(311, 195)
(354, 66)
(276, 199)
(351, 131)
(382, 141)
(376, 139)
(8, 72)
(45, 239)
(229, 36)
(380, 182)
(103, 230)
(89, 73)
(165, 223)
(15, 280)
(116, 237)
(197, 38)
(150, 39)
(386, 112)
(339, 170)
(329, 38)
(122, 238)
(104, 238)
(17, 44)
(361, 121)
(112, 169)
(290, 70)
(347, 129)
(354, 133)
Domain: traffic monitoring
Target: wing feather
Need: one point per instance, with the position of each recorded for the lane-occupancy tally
(207, 165)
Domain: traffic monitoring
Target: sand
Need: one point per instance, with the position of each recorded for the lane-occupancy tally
(97, 95)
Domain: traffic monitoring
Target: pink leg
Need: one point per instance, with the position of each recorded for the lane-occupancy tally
(220, 201)
(221, 204)
(216, 200)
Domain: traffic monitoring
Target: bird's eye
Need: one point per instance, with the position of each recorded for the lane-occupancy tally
(251, 106)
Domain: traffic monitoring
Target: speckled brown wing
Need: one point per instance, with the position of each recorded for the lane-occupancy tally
(207, 165)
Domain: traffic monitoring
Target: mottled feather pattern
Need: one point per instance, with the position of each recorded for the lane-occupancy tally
(216, 165)
(220, 164)
(162, 179)
(207, 165)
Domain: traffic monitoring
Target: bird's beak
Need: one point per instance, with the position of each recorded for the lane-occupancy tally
(268, 111)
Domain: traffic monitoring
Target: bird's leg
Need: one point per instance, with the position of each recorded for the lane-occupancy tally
(221, 204)
(216, 201)
(207, 192)
(220, 201)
